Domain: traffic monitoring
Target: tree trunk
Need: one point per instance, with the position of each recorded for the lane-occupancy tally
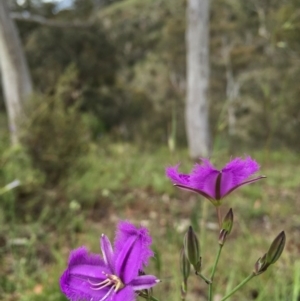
(232, 90)
(197, 42)
(16, 80)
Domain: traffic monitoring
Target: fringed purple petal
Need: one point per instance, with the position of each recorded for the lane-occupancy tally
(241, 169)
(176, 177)
(83, 270)
(226, 183)
(204, 177)
(124, 232)
(128, 261)
(244, 183)
(107, 252)
(143, 282)
(77, 289)
(195, 190)
(235, 172)
(81, 255)
(125, 294)
(88, 277)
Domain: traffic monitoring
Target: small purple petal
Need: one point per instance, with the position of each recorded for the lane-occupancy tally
(241, 169)
(204, 194)
(235, 172)
(125, 294)
(128, 261)
(204, 177)
(226, 183)
(83, 269)
(143, 282)
(245, 183)
(81, 254)
(176, 177)
(77, 289)
(124, 232)
(107, 252)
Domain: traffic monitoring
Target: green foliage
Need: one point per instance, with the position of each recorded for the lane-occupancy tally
(55, 135)
(33, 278)
(16, 165)
(131, 68)
(89, 49)
(124, 77)
(254, 41)
(115, 168)
(151, 56)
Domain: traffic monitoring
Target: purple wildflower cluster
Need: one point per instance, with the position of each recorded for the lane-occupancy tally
(117, 276)
(212, 183)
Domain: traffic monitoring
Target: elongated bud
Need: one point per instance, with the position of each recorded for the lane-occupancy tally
(226, 227)
(185, 266)
(191, 248)
(276, 248)
(272, 255)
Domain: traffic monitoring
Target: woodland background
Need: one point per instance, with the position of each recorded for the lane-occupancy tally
(107, 117)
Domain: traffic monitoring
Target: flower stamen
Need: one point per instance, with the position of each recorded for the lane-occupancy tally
(107, 294)
(113, 280)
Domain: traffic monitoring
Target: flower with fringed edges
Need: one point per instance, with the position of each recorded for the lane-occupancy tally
(212, 183)
(117, 275)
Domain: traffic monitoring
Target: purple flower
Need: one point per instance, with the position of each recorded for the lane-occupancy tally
(117, 275)
(212, 183)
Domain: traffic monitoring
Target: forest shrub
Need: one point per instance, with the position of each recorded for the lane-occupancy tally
(54, 133)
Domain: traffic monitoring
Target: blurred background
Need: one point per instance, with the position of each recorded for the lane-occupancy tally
(107, 85)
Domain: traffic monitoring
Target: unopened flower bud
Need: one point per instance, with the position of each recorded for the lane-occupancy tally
(228, 221)
(185, 266)
(272, 255)
(276, 248)
(226, 227)
(191, 248)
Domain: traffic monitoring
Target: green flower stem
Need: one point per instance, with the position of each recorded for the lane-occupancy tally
(219, 216)
(208, 281)
(239, 286)
(213, 273)
(203, 220)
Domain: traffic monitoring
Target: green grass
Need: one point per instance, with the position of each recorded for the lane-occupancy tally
(120, 181)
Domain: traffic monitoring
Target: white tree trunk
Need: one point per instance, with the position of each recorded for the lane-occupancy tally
(197, 42)
(232, 93)
(16, 80)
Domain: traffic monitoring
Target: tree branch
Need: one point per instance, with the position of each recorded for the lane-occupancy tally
(27, 17)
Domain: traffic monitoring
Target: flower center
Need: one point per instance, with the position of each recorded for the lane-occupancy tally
(113, 281)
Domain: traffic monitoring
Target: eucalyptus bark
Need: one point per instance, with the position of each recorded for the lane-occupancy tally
(16, 80)
(197, 111)
(232, 92)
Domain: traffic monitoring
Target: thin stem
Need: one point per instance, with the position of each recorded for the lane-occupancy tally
(210, 292)
(213, 273)
(203, 220)
(219, 216)
(208, 281)
(239, 286)
(216, 262)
